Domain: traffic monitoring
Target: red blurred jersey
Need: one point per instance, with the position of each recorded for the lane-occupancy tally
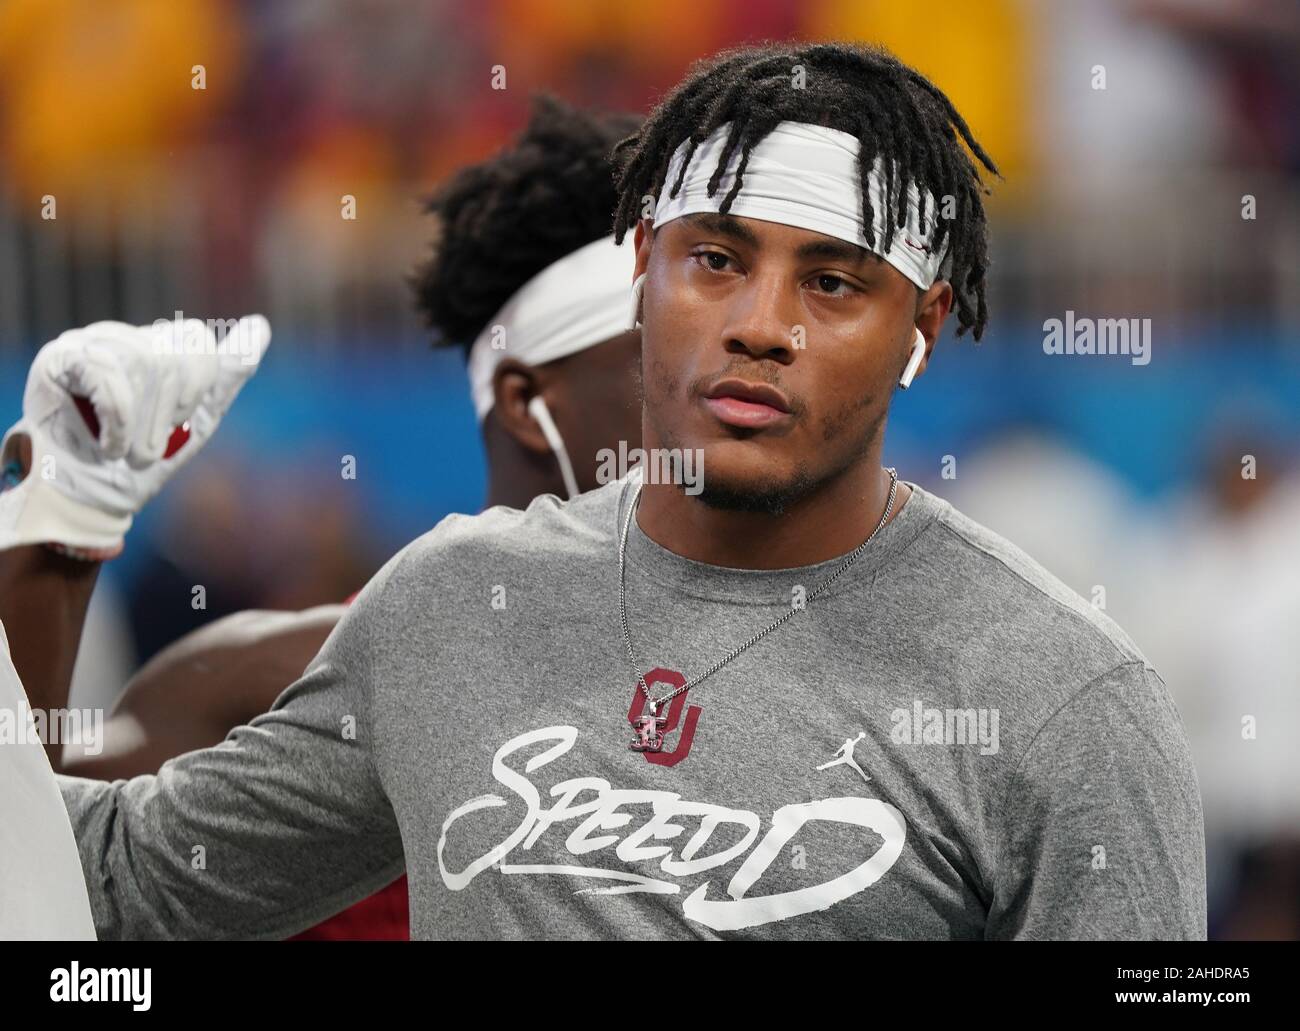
(384, 916)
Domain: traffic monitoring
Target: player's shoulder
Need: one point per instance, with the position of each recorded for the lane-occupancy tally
(1017, 604)
(549, 532)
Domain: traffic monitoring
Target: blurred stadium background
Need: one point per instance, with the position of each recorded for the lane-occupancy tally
(1122, 202)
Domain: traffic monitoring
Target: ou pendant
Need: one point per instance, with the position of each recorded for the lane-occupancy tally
(649, 732)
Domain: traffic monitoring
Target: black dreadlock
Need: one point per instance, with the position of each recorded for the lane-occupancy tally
(895, 111)
(502, 221)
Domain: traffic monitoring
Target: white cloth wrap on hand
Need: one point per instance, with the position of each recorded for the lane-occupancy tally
(80, 492)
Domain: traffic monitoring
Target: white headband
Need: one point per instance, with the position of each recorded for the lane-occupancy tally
(572, 304)
(805, 176)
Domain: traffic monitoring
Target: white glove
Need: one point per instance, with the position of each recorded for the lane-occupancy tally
(157, 394)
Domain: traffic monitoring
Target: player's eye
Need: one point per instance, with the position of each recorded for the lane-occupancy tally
(830, 285)
(714, 261)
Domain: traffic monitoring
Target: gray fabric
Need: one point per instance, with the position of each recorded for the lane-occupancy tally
(491, 751)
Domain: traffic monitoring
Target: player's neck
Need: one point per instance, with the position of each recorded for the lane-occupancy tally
(515, 494)
(831, 521)
(516, 481)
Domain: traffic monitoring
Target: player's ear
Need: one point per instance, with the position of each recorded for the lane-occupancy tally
(514, 385)
(642, 240)
(932, 308)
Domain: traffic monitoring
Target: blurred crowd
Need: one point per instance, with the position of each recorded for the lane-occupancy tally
(199, 154)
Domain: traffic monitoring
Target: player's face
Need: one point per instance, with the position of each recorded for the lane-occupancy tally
(773, 349)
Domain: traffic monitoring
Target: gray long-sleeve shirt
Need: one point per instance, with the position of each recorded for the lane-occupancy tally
(948, 743)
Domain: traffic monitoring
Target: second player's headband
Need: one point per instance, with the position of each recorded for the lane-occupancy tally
(805, 176)
(572, 304)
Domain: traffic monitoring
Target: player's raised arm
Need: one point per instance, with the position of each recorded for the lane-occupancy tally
(110, 412)
(195, 690)
(284, 823)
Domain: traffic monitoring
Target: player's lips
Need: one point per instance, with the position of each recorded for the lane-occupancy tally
(737, 402)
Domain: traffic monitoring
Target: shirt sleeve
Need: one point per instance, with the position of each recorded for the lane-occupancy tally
(284, 823)
(1102, 834)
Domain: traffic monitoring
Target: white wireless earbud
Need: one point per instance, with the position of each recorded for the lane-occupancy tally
(638, 285)
(538, 410)
(914, 362)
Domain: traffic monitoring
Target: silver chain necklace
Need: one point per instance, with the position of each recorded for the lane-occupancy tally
(648, 728)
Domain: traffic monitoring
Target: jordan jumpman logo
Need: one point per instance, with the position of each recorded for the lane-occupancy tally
(844, 756)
